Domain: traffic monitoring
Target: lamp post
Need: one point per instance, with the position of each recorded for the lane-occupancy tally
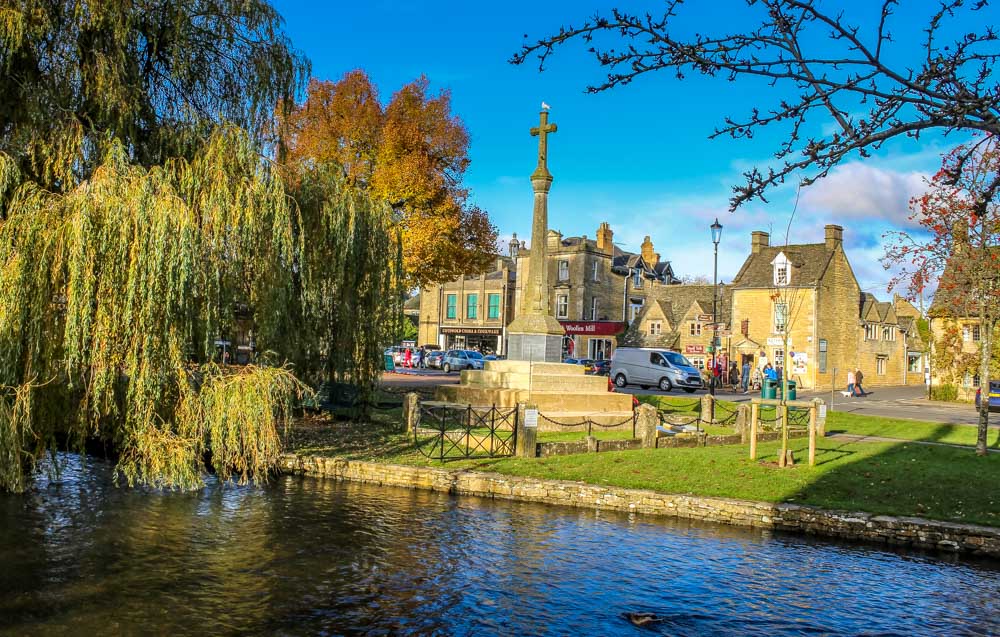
(716, 237)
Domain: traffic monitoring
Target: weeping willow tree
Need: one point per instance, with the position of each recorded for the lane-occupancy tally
(155, 75)
(351, 281)
(110, 299)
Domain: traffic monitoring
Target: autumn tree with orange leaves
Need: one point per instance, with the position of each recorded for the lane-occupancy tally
(412, 153)
(958, 246)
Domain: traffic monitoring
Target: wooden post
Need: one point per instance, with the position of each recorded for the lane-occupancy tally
(754, 415)
(783, 457)
(812, 434)
(820, 417)
(527, 432)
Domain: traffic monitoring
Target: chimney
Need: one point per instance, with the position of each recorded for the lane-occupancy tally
(656, 257)
(605, 237)
(758, 240)
(647, 251)
(834, 236)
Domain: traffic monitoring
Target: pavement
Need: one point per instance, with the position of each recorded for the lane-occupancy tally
(890, 402)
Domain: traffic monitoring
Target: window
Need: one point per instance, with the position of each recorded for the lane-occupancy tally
(634, 308)
(782, 269)
(888, 333)
(493, 311)
(694, 329)
(871, 332)
(966, 333)
(780, 317)
(597, 270)
(913, 363)
(976, 333)
(698, 361)
(822, 355)
(880, 365)
(637, 279)
(593, 309)
(779, 358)
(472, 306)
(451, 313)
(562, 306)
(655, 328)
(563, 274)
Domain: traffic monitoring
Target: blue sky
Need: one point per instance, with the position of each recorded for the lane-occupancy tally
(638, 156)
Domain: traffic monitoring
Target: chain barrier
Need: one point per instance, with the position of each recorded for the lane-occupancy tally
(590, 423)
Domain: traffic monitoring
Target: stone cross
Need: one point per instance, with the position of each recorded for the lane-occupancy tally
(542, 132)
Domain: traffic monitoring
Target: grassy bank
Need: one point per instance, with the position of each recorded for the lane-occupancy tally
(900, 478)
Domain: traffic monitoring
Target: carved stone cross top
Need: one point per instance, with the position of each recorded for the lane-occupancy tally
(542, 131)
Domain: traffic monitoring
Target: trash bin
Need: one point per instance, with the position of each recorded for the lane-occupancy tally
(769, 390)
(390, 365)
(791, 390)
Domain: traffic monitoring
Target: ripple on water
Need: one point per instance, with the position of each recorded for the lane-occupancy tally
(304, 556)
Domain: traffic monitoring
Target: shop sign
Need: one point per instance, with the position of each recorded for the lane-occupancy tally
(592, 328)
(705, 318)
(777, 341)
(472, 331)
(694, 349)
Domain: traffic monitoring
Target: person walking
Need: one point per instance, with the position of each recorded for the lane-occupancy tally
(858, 378)
(850, 383)
(746, 376)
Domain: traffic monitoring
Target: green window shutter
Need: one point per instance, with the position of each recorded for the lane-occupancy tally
(451, 306)
(494, 306)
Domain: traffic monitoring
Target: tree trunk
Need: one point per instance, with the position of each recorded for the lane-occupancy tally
(985, 356)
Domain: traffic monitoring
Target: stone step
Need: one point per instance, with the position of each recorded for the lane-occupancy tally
(527, 367)
(568, 401)
(481, 396)
(540, 382)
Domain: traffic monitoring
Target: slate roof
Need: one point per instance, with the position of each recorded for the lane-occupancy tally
(882, 308)
(809, 263)
(412, 303)
(952, 293)
(675, 301)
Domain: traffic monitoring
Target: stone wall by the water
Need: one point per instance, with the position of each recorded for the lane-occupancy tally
(899, 531)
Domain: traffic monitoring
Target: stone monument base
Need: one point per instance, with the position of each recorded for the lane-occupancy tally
(537, 348)
(553, 388)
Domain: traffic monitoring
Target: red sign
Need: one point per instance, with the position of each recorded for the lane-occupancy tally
(694, 349)
(592, 328)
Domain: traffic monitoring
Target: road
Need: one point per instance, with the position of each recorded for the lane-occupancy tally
(890, 402)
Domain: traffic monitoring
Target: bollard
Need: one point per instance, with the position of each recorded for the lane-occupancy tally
(820, 417)
(411, 411)
(743, 422)
(812, 434)
(646, 425)
(754, 416)
(707, 415)
(592, 444)
(527, 431)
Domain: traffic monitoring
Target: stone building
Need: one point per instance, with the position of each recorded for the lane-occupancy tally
(471, 312)
(956, 338)
(596, 288)
(807, 292)
(679, 317)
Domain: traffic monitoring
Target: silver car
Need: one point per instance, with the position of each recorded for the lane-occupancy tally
(459, 359)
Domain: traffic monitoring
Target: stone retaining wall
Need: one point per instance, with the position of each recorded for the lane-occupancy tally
(913, 532)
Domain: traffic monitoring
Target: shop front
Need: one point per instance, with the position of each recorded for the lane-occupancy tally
(590, 339)
(487, 340)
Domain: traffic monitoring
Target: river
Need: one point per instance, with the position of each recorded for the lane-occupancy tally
(80, 556)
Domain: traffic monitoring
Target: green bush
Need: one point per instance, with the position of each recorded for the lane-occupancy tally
(944, 392)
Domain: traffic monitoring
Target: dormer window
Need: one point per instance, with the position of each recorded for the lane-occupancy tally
(637, 279)
(782, 270)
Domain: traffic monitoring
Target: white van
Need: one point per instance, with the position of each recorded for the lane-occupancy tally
(650, 367)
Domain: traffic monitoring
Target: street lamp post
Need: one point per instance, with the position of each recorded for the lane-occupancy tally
(716, 237)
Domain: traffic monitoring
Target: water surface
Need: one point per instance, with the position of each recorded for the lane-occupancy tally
(79, 556)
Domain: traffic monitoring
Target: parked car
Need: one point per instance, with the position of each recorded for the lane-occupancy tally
(588, 363)
(459, 359)
(648, 367)
(434, 359)
(994, 395)
(601, 368)
(494, 357)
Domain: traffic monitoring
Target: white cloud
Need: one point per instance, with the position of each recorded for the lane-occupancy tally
(861, 191)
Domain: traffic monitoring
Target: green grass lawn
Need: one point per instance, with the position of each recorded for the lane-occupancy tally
(842, 422)
(579, 436)
(901, 478)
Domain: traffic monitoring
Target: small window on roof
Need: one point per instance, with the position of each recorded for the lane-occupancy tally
(782, 270)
